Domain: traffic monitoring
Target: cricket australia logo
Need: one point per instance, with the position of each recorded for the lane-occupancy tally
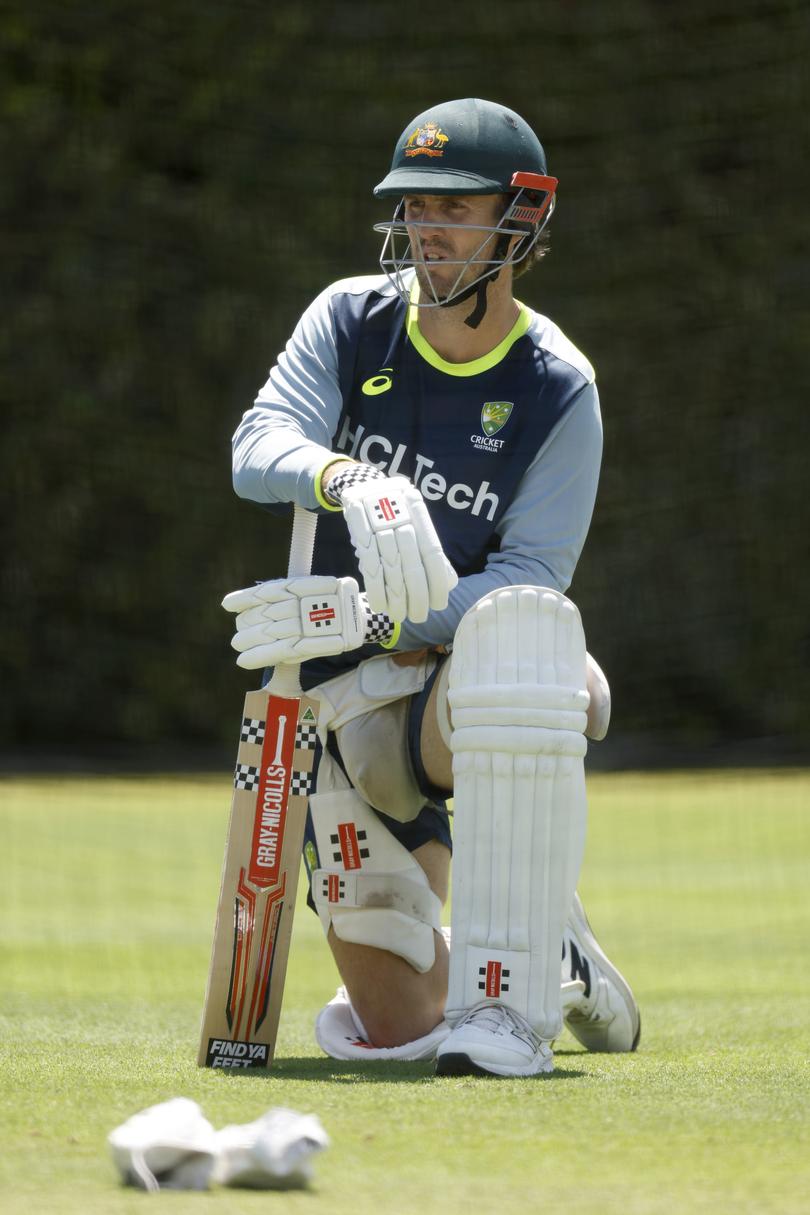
(494, 416)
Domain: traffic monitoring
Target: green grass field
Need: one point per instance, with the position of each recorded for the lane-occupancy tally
(696, 883)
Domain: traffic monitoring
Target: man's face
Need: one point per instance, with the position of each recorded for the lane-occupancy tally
(445, 248)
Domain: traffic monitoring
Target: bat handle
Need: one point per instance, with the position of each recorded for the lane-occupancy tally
(302, 543)
(285, 681)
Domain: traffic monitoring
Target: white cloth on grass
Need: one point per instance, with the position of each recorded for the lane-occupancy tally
(273, 1153)
(173, 1146)
(170, 1146)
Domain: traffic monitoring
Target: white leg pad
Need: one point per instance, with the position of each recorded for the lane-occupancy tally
(598, 707)
(519, 701)
(368, 887)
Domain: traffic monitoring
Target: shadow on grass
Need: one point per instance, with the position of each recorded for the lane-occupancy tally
(376, 1072)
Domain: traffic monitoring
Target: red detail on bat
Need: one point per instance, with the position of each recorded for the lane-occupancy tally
(244, 911)
(322, 614)
(493, 980)
(333, 890)
(349, 846)
(264, 960)
(386, 508)
(270, 816)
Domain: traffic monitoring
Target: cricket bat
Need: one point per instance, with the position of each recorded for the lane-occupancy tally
(262, 859)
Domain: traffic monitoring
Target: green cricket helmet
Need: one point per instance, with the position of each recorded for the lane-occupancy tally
(466, 147)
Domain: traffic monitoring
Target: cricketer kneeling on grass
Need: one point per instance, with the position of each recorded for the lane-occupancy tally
(451, 438)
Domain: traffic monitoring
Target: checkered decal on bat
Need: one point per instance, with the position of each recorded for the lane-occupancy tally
(306, 736)
(252, 730)
(300, 784)
(246, 777)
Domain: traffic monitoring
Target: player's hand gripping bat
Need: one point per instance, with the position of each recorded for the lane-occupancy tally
(262, 859)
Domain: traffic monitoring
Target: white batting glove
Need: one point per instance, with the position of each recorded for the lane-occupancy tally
(294, 619)
(405, 571)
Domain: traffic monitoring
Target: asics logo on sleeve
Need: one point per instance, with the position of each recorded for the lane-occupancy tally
(375, 384)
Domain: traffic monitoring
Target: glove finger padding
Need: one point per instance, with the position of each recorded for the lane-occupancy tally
(441, 577)
(413, 574)
(294, 619)
(267, 631)
(276, 590)
(404, 568)
(287, 610)
(389, 586)
(260, 656)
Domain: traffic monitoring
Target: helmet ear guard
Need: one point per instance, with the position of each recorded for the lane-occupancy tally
(540, 194)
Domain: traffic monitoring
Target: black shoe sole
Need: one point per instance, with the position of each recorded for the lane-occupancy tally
(457, 1064)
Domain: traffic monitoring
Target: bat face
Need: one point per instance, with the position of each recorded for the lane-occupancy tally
(262, 859)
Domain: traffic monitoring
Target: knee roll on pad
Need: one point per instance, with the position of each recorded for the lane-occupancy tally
(368, 886)
(519, 701)
(599, 706)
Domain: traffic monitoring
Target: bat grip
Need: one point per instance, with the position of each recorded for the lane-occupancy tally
(302, 543)
(285, 681)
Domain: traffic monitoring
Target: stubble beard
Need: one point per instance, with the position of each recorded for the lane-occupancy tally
(439, 292)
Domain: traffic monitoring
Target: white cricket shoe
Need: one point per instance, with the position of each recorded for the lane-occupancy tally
(493, 1040)
(603, 1015)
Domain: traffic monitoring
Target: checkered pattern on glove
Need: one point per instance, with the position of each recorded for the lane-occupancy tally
(379, 627)
(356, 475)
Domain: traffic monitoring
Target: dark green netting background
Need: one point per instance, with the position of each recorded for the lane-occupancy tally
(177, 181)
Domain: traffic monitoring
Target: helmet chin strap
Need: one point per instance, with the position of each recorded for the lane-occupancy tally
(479, 289)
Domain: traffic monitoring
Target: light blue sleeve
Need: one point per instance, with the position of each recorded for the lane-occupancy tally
(544, 527)
(284, 441)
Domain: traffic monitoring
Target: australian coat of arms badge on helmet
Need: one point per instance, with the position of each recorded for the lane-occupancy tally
(428, 140)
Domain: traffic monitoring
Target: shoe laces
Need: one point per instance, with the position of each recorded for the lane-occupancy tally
(497, 1019)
